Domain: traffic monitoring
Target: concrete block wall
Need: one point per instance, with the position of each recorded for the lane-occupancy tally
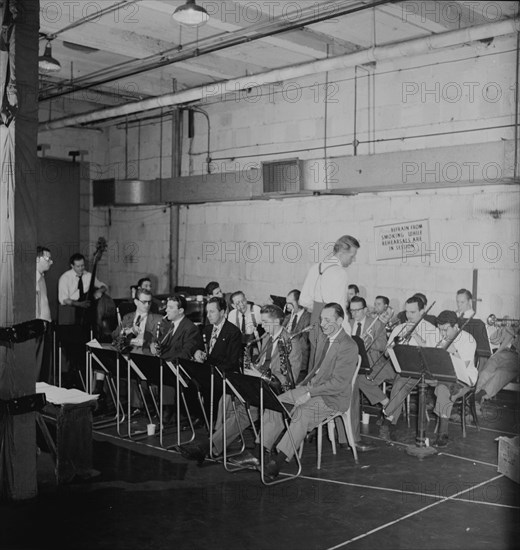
(266, 247)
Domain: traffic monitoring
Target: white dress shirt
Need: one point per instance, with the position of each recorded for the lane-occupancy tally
(68, 285)
(235, 317)
(43, 311)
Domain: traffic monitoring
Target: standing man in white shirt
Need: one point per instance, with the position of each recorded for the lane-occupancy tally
(73, 287)
(43, 311)
(328, 281)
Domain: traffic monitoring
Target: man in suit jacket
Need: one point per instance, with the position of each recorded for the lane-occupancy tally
(272, 318)
(137, 329)
(298, 319)
(179, 339)
(325, 390)
(373, 334)
(140, 326)
(222, 339)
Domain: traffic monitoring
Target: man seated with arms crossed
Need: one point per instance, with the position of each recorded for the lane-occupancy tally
(325, 390)
(424, 335)
(298, 319)
(222, 344)
(178, 339)
(137, 330)
(464, 346)
(269, 358)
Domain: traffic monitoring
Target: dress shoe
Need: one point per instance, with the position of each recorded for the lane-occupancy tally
(441, 441)
(272, 470)
(245, 460)
(194, 451)
(363, 448)
(136, 413)
(311, 437)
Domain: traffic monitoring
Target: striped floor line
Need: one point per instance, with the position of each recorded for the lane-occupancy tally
(411, 514)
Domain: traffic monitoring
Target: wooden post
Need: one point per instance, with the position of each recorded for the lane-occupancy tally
(18, 221)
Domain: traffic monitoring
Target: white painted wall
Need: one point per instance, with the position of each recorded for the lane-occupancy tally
(266, 247)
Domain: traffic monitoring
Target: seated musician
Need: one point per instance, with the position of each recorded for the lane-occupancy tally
(424, 334)
(178, 339)
(297, 319)
(270, 362)
(222, 344)
(462, 345)
(352, 290)
(73, 287)
(373, 333)
(464, 300)
(430, 318)
(246, 317)
(146, 283)
(325, 390)
(502, 367)
(137, 330)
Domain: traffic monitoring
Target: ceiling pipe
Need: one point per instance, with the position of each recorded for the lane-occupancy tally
(211, 44)
(412, 47)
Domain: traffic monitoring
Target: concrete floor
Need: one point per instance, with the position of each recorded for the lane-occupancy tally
(150, 498)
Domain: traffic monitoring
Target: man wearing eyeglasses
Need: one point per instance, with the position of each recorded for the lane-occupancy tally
(43, 311)
(139, 326)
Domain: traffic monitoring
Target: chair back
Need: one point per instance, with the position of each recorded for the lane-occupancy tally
(354, 378)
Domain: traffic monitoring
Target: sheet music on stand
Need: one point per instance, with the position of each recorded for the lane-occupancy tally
(63, 396)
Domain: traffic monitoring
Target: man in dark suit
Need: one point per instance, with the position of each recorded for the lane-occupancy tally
(325, 390)
(222, 339)
(269, 357)
(297, 319)
(179, 339)
(222, 346)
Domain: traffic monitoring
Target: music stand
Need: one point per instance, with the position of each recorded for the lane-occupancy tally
(172, 373)
(149, 365)
(108, 359)
(256, 392)
(421, 363)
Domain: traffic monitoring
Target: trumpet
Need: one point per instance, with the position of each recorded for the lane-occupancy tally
(494, 321)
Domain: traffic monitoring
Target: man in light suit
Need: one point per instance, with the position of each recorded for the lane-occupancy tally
(325, 390)
(180, 339)
(138, 328)
(373, 335)
(298, 319)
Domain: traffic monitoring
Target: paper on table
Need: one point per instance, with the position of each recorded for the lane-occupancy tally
(63, 396)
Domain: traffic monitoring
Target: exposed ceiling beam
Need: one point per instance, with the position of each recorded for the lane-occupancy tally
(417, 46)
(218, 43)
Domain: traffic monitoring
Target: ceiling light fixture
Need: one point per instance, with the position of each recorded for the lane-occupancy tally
(191, 14)
(47, 63)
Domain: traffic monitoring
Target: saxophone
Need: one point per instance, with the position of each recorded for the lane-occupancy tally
(285, 347)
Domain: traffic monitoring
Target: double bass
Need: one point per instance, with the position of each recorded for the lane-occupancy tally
(101, 315)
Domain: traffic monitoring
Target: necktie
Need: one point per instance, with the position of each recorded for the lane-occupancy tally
(294, 323)
(243, 325)
(81, 290)
(213, 338)
(268, 352)
(138, 321)
(358, 329)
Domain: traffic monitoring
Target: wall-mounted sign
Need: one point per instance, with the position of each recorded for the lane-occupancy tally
(402, 240)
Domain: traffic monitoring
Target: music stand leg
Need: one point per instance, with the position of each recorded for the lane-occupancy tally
(420, 450)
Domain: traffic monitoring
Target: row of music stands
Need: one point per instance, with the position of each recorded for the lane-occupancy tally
(140, 366)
